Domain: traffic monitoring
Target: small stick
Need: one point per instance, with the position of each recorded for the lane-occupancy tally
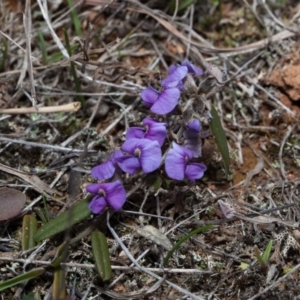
(71, 107)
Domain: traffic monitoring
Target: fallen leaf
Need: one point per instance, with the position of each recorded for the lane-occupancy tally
(153, 234)
(11, 203)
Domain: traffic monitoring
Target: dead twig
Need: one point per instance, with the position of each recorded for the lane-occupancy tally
(27, 25)
(35, 181)
(286, 136)
(45, 146)
(71, 107)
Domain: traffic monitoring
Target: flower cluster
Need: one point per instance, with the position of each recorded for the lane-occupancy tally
(143, 148)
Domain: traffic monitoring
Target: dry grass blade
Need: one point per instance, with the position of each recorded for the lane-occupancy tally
(27, 20)
(36, 182)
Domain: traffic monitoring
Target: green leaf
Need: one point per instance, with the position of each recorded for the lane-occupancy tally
(258, 256)
(61, 255)
(183, 239)
(3, 54)
(101, 255)
(182, 4)
(220, 137)
(73, 69)
(32, 296)
(43, 47)
(267, 252)
(21, 278)
(244, 266)
(75, 18)
(70, 217)
(29, 228)
(59, 284)
(58, 56)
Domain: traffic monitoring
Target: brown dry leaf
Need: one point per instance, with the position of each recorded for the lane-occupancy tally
(153, 234)
(11, 203)
(35, 181)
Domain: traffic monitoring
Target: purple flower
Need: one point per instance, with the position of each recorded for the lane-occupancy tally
(192, 69)
(154, 131)
(175, 77)
(108, 168)
(141, 153)
(110, 194)
(178, 165)
(192, 137)
(163, 102)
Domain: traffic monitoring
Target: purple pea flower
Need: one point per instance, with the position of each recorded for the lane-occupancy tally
(107, 169)
(163, 102)
(110, 194)
(175, 77)
(141, 154)
(178, 165)
(154, 131)
(192, 69)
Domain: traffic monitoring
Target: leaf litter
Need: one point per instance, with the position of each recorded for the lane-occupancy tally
(124, 48)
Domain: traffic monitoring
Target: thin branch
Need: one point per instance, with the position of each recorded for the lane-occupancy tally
(92, 266)
(286, 136)
(276, 283)
(27, 20)
(145, 270)
(45, 146)
(71, 107)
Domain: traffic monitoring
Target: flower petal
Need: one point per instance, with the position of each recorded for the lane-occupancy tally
(97, 205)
(104, 171)
(166, 101)
(175, 76)
(156, 131)
(130, 164)
(192, 69)
(195, 171)
(150, 157)
(184, 152)
(149, 96)
(131, 145)
(195, 125)
(115, 195)
(94, 188)
(175, 164)
(135, 132)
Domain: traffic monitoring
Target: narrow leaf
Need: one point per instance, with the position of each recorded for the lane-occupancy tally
(220, 137)
(267, 252)
(101, 255)
(75, 18)
(61, 255)
(72, 216)
(43, 47)
(73, 69)
(183, 239)
(29, 228)
(59, 284)
(21, 278)
(258, 256)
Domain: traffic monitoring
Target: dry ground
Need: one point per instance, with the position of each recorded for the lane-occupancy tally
(123, 47)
